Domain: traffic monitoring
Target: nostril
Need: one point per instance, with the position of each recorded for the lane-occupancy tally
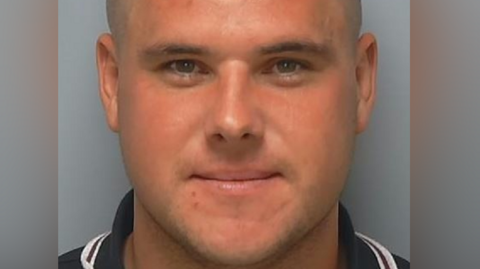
(246, 136)
(219, 137)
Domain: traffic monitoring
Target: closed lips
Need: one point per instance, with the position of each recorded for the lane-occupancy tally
(236, 176)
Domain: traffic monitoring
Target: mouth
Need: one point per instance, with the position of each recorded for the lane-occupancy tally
(236, 175)
(238, 183)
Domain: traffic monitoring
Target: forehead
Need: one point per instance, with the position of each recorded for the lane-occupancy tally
(255, 20)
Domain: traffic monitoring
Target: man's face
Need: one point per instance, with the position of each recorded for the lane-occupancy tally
(236, 119)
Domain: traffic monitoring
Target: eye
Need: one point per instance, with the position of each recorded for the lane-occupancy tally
(184, 72)
(288, 72)
(184, 66)
(287, 67)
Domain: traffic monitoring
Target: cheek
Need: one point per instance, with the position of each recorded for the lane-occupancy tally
(320, 133)
(155, 128)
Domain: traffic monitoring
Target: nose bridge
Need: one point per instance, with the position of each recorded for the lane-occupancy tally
(234, 116)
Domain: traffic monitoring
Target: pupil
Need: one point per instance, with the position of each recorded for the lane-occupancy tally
(286, 66)
(185, 66)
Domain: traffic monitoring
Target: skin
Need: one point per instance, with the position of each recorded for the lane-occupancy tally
(277, 85)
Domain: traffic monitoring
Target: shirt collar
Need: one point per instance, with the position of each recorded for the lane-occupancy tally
(111, 253)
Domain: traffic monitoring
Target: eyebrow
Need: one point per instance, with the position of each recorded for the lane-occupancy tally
(321, 49)
(161, 50)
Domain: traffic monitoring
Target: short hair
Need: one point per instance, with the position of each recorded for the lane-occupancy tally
(354, 15)
(117, 16)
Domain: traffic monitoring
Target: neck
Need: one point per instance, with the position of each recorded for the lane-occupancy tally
(148, 246)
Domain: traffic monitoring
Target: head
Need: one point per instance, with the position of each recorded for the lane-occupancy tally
(118, 11)
(274, 89)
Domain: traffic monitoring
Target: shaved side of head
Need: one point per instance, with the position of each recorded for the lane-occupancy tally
(353, 10)
(117, 16)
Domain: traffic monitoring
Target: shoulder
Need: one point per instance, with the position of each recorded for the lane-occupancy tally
(70, 260)
(86, 256)
(401, 262)
(384, 258)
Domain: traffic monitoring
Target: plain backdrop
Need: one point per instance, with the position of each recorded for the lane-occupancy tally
(91, 178)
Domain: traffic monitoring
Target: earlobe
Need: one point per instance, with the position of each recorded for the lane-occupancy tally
(366, 75)
(107, 69)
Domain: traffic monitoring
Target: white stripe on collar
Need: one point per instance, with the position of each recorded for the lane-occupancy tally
(380, 252)
(90, 251)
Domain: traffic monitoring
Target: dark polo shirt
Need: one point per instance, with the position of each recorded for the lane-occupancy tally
(105, 251)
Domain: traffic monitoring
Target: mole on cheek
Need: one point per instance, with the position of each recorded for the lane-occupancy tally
(195, 205)
(194, 194)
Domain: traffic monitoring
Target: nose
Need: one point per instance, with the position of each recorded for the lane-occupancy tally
(235, 119)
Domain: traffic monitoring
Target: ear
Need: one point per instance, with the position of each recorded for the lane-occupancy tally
(366, 75)
(107, 68)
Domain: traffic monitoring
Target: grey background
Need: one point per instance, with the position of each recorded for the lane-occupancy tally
(28, 134)
(91, 179)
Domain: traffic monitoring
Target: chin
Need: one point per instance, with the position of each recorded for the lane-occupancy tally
(236, 256)
(243, 249)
